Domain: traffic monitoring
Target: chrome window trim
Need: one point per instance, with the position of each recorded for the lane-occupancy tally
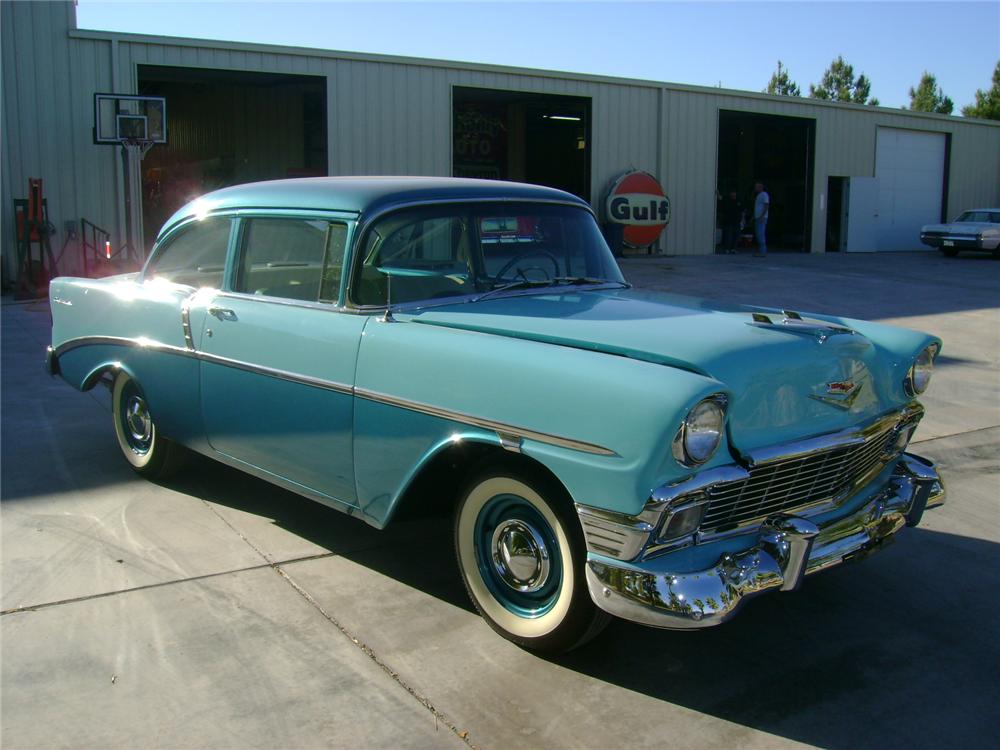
(504, 431)
(284, 301)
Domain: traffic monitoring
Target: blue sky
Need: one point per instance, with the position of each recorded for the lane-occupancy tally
(735, 44)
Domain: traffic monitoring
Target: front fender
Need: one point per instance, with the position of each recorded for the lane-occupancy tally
(602, 424)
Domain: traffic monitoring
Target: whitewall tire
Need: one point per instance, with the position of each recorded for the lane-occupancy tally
(149, 453)
(521, 554)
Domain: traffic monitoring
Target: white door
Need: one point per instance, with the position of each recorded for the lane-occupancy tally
(910, 167)
(862, 202)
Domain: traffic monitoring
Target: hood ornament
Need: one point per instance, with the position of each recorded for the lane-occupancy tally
(841, 394)
(793, 322)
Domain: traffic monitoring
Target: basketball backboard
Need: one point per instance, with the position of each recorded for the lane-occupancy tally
(126, 117)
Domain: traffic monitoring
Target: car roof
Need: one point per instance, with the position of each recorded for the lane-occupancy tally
(364, 195)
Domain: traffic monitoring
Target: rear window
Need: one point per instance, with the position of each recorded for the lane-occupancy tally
(195, 255)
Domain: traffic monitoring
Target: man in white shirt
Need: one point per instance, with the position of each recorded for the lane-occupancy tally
(760, 207)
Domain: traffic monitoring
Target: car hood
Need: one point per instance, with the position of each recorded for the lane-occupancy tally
(778, 374)
(960, 227)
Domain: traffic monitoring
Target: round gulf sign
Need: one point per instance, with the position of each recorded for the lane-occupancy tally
(637, 201)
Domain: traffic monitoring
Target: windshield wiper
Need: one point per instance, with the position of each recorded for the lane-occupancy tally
(519, 284)
(557, 281)
(581, 280)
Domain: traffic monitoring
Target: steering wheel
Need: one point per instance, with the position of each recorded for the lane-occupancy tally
(531, 253)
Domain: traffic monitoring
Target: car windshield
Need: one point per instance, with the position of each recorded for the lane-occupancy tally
(980, 217)
(460, 249)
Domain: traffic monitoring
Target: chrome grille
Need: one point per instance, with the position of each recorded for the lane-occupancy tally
(787, 484)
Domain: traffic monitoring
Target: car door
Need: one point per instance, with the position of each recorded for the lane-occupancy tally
(278, 356)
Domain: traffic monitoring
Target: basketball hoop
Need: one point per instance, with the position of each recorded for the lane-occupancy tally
(135, 123)
(137, 146)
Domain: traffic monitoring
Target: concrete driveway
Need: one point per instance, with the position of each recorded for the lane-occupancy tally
(219, 611)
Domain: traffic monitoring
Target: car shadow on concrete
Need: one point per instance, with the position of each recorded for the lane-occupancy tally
(894, 651)
(897, 650)
(391, 551)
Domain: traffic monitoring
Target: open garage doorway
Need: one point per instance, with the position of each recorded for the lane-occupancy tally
(229, 127)
(512, 135)
(778, 151)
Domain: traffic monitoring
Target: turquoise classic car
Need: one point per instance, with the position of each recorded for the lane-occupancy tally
(374, 343)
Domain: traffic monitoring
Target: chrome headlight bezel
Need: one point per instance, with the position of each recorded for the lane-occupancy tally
(689, 446)
(918, 377)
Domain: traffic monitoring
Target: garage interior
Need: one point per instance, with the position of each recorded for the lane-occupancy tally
(229, 127)
(512, 135)
(779, 151)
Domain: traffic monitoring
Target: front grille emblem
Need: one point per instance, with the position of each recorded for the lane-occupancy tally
(841, 394)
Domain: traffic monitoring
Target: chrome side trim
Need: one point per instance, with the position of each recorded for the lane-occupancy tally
(512, 434)
(134, 343)
(501, 428)
(291, 377)
(186, 322)
(509, 442)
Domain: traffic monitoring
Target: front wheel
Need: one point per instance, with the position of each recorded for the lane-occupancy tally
(522, 554)
(148, 452)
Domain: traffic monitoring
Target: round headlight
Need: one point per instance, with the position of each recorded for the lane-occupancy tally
(921, 370)
(700, 433)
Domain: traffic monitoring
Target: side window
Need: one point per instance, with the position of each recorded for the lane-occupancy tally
(414, 256)
(196, 256)
(297, 259)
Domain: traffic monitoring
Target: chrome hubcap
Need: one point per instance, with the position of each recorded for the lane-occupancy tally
(140, 426)
(520, 556)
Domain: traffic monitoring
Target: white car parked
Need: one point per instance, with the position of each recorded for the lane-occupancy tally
(978, 229)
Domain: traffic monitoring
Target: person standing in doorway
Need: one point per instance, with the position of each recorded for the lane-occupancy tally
(732, 216)
(760, 209)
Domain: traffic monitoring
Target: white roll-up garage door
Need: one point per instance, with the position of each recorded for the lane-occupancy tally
(909, 165)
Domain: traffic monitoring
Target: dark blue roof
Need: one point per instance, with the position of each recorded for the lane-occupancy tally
(364, 194)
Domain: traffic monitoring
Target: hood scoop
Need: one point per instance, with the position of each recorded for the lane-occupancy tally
(793, 322)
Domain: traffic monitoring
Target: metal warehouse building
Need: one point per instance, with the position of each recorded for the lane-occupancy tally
(841, 176)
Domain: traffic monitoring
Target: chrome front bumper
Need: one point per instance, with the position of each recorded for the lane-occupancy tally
(787, 548)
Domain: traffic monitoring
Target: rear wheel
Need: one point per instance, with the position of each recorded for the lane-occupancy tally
(951, 252)
(149, 453)
(522, 554)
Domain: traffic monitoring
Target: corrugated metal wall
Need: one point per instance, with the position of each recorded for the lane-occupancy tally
(393, 116)
(47, 100)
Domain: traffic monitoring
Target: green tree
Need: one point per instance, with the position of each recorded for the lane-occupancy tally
(928, 97)
(987, 103)
(839, 85)
(782, 84)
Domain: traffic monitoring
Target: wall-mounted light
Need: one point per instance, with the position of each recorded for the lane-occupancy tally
(567, 118)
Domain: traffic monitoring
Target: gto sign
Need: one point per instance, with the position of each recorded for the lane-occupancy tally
(637, 201)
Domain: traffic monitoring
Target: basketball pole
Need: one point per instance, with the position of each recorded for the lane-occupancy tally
(132, 156)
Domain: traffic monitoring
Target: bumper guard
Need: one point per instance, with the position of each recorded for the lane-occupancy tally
(787, 549)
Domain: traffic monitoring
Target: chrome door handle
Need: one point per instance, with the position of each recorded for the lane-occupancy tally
(222, 313)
